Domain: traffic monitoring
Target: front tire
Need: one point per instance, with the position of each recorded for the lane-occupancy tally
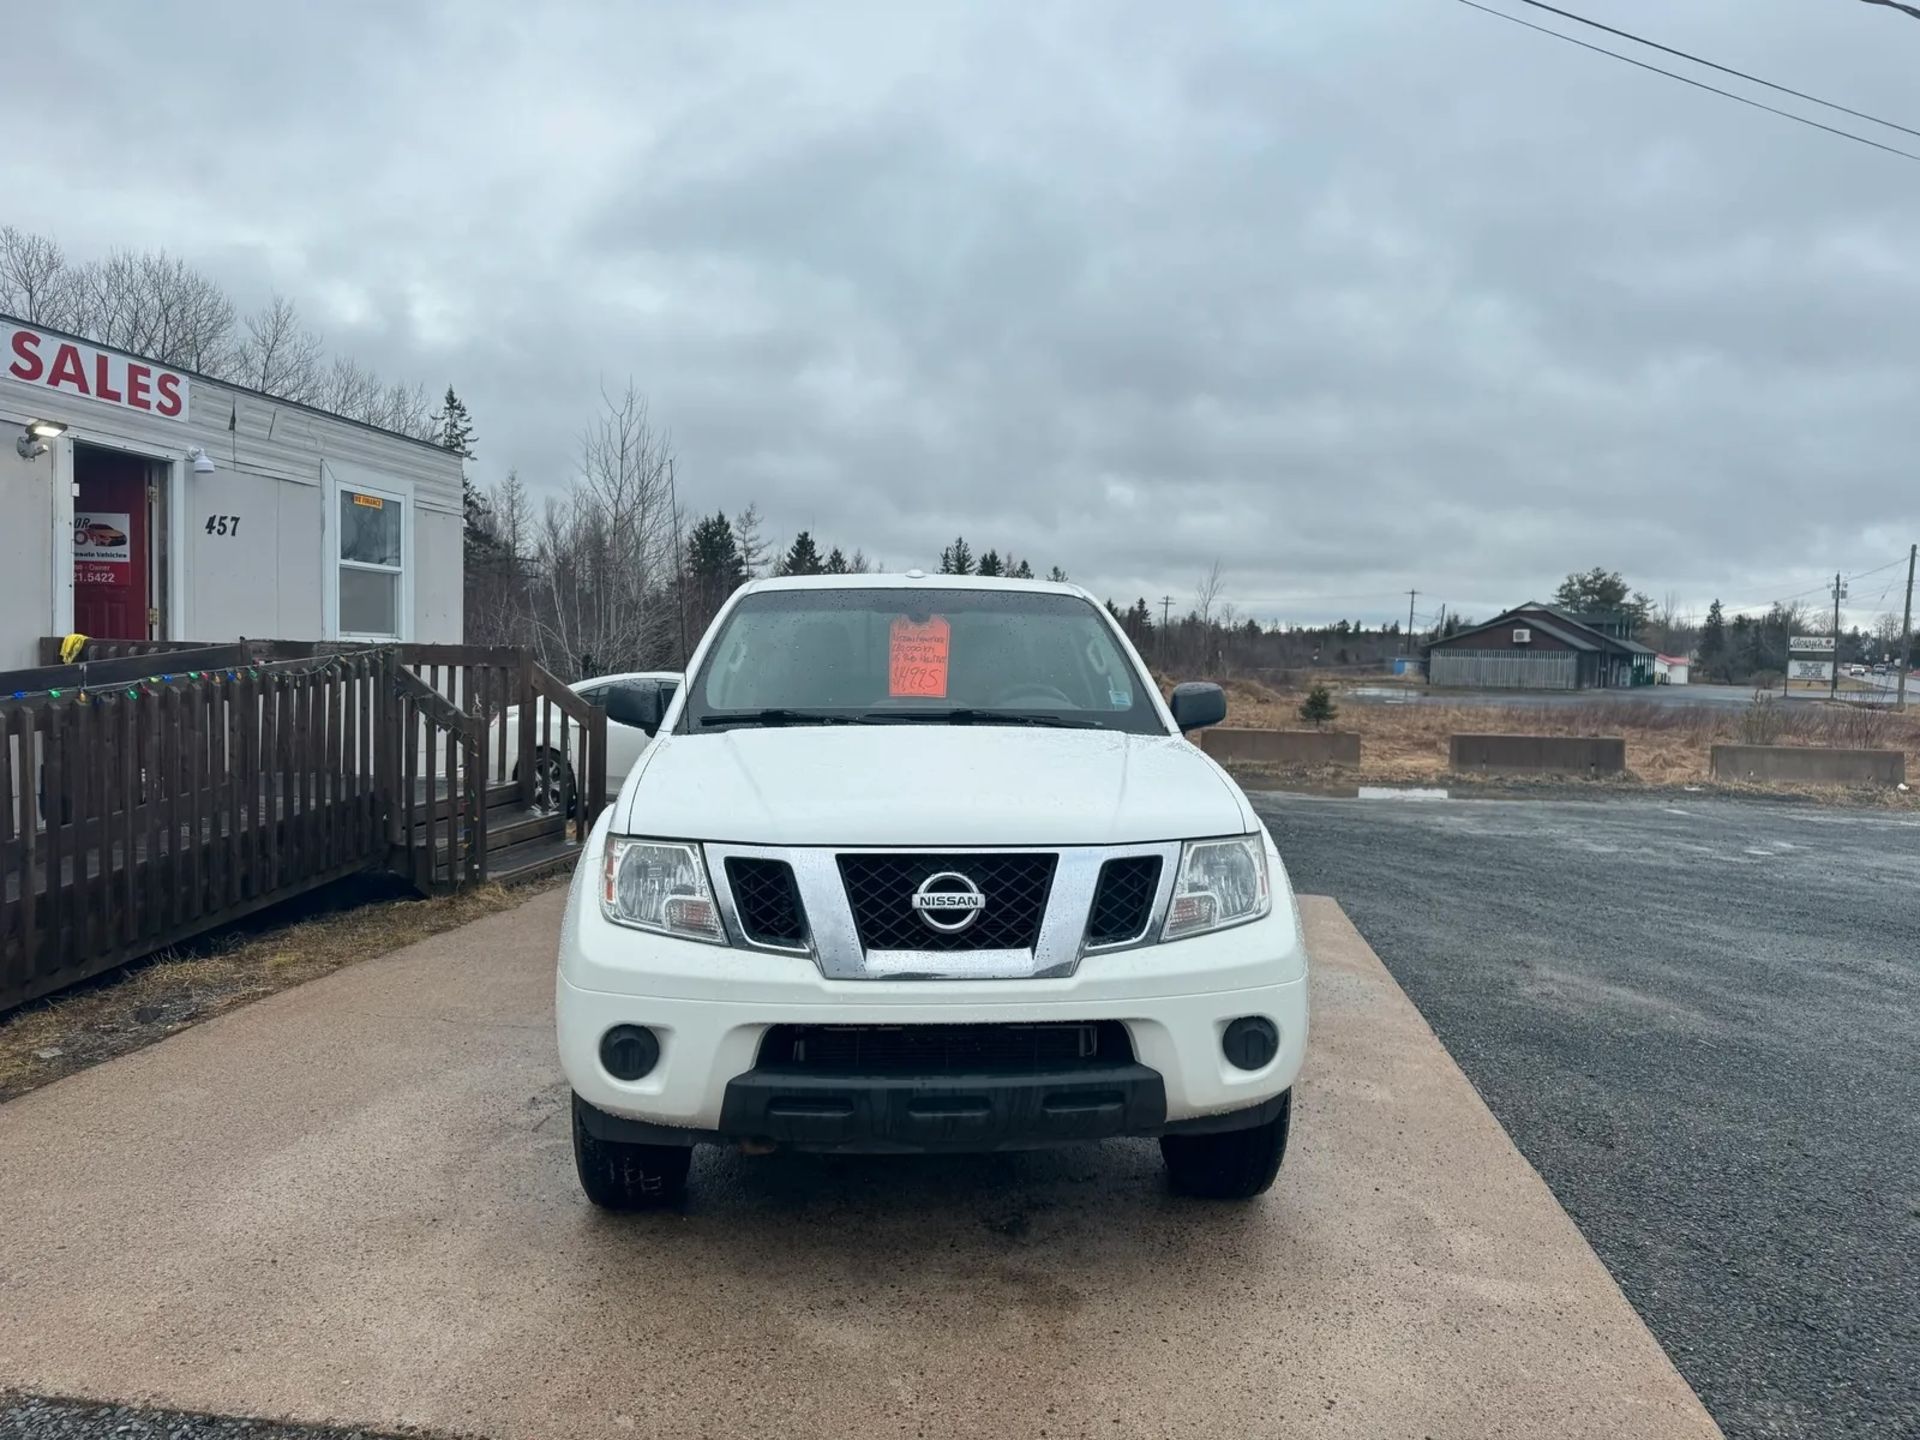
(1231, 1165)
(619, 1176)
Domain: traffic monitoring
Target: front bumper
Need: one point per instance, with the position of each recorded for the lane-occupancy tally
(711, 1006)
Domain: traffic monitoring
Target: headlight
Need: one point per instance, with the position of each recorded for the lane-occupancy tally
(1221, 883)
(659, 885)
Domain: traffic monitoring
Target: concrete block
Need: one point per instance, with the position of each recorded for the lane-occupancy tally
(1282, 747)
(1806, 765)
(1539, 754)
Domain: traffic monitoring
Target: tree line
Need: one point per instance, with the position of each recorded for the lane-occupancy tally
(156, 305)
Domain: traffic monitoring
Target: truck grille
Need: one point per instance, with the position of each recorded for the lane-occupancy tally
(1124, 899)
(767, 901)
(880, 890)
(944, 1049)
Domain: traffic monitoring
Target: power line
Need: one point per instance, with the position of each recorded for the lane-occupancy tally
(1688, 80)
(1723, 69)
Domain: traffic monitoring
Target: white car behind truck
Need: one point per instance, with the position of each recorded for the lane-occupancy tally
(925, 863)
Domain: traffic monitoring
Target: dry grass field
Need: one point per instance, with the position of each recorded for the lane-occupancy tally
(1666, 744)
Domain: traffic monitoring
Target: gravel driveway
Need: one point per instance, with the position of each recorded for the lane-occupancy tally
(1698, 1021)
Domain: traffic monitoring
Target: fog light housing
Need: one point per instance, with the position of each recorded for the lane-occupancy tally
(629, 1052)
(1250, 1042)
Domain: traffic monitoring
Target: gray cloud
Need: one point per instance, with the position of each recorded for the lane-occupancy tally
(1355, 299)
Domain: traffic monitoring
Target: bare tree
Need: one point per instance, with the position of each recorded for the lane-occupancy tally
(279, 355)
(605, 553)
(349, 388)
(746, 535)
(1207, 593)
(154, 304)
(35, 283)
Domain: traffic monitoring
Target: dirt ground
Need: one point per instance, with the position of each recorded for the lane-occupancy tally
(148, 1001)
(1666, 744)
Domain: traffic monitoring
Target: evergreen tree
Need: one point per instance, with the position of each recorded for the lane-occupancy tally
(1022, 571)
(836, 562)
(1602, 592)
(990, 564)
(1138, 623)
(1057, 575)
(713, 556)
(453, 427)
(858, 565)
(1713, 641)
(1318, 708)
(802, 557)
(714, 567)
(453, 430)
(957, 558)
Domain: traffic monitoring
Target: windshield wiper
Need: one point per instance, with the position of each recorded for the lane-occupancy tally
(781, 717)
(975, 717)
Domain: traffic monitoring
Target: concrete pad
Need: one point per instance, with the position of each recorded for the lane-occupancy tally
(354, 1201)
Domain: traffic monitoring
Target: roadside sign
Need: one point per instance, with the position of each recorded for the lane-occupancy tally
(1821, 670)
(1812, 644)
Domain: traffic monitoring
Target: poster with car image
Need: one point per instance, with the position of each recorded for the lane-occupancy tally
(102, 547)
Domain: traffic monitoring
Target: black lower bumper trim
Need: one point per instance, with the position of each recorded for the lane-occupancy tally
(813, 1111)
(867, 1114)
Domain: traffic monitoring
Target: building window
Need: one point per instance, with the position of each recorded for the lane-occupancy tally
(372, 564)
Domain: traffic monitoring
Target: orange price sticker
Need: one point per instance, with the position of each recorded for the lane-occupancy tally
(917, 658)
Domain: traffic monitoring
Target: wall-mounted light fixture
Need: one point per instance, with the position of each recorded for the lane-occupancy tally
(202, 462)
(32, 443)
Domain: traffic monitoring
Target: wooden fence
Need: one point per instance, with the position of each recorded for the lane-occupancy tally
(143, 808)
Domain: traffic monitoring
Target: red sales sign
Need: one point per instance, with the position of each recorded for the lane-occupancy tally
(67, 367)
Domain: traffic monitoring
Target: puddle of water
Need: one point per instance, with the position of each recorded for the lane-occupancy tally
(1368, 792)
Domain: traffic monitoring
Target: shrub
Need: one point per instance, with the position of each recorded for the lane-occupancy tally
(1762, 722)
(1318, 708)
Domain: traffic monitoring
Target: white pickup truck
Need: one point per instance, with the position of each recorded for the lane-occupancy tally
(924, 863)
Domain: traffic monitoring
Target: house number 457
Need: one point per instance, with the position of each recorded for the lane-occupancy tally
(223, 524)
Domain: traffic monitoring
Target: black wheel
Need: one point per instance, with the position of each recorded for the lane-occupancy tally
(1232, 1165)
(619, 1176)
(553, 787)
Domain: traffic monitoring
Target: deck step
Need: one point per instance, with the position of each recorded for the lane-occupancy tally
(532, 860)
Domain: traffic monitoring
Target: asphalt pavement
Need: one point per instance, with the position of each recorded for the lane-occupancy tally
(1717, 697)
(1698, 1020)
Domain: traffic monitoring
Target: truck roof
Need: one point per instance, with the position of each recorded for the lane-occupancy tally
(911, 580)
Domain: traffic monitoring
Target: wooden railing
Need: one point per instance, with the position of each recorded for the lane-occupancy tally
(152, 795)
(439, 818)
(139, 814)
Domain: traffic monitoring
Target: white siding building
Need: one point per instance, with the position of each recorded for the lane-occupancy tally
(140, 501)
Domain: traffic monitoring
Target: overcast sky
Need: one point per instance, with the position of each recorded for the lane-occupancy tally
(1356, 298)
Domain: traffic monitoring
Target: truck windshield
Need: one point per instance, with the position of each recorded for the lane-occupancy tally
(918, 656)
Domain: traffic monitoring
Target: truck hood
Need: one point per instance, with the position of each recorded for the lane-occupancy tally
(928, 785)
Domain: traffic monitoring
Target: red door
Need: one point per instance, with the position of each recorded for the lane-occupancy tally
(110, 573)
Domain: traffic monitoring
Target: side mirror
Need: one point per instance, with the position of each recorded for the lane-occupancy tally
(1197, 704)
(639, 703)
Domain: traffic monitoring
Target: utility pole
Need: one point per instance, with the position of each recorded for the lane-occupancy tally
(1406, 645)
(1833, 672)
(1166, 608)
(1906, 635)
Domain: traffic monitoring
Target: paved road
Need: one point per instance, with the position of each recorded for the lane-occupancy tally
(1710, 696)
(1700, 1022)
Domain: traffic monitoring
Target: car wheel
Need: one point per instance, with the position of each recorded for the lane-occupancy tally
(619, 1176)
(1231, 1165)
(553, 787)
